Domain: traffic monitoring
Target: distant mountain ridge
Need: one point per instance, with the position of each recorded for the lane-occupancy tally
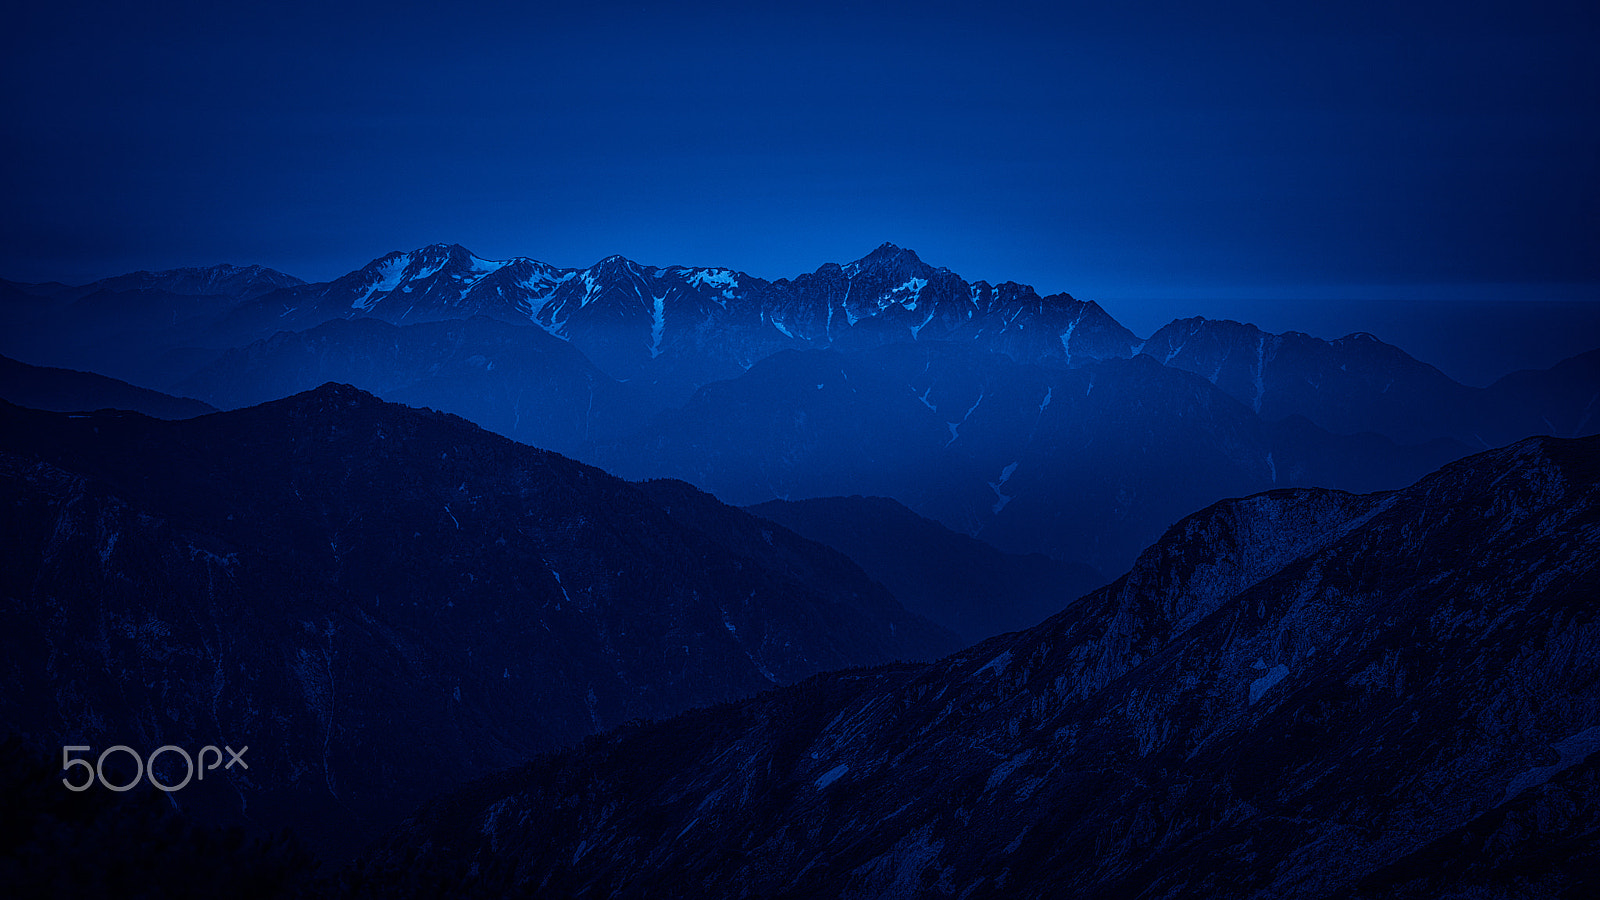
(225, 280)
(515, 380)
(1358, 383)
(221, 280)
(142, 327)
(65, 390)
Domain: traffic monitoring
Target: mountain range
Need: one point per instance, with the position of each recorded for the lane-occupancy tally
(641, 369)
(458, 514)
(669, 331)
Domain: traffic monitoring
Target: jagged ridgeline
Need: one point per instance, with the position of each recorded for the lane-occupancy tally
(383, 601)
(1303, 693)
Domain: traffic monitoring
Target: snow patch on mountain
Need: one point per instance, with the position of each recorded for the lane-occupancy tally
(389, 277)
(1572, 751)
(998, 664)
(428, 272)
(563, 587)
(955, 427)
(480, 267)
(544, 285)
(721, 279)
(1004, 498)
(590, 289)
(1066, 336)
(658, 322)
(832, 775)
(1004, 770)
(909, 293)
(1266, 682)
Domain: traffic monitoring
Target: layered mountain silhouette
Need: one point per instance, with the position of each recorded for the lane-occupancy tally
(669, 331)
(1087, 464)
(515, 380)
(380, 601)
(144, 327)
(955, 580)
(1301, 693)
(974, 405)
(65, 390)
(1037, 424)
(1360, 384)
(225, 280)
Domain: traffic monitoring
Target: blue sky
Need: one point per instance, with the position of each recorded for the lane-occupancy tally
(1133, 154)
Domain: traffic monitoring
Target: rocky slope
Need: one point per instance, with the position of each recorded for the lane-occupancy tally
(1302, 693)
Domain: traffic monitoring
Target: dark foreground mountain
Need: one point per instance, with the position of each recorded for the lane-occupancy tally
(1303, 693)
(65, 390)
(381, 601)
(957, 581)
